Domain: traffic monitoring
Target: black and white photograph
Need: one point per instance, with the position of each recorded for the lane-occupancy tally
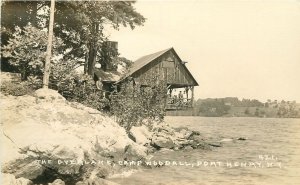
(150, 92)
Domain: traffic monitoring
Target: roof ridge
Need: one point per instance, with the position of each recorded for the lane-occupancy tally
(144, 60)
(165, 50)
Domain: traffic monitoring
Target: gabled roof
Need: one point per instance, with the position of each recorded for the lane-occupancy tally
(143, 61)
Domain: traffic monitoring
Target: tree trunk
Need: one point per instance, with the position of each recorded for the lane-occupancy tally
(34, 10)
(92, 50)
(91, 59)
(49, 46)
(24, 73)
(85, 67)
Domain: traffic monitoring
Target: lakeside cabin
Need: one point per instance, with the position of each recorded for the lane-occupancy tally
(167, 66)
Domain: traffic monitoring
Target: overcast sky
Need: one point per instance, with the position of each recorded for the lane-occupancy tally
(245, 49)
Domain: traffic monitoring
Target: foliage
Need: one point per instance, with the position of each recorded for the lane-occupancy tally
(83, 90)
(16, 88)
(64, 78)
(20, 13)
(250, 103)
(134, 104)
(247, 112)
(287, 110)
(125, 63)
(213, 107)
(35, 82)
(26, 50)
(108, 56)
(234, 101)
(79, 24)
(246, 107)
(256, 113)
(76, 87)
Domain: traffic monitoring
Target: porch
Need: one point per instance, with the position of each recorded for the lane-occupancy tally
(180, 97)
(179, 104)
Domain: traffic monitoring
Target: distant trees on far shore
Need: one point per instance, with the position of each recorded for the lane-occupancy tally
(233, 107)
(212, 107)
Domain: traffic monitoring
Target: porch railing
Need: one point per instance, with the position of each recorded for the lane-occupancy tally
(179, 103)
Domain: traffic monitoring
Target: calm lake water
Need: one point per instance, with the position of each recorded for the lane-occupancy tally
(236, 162)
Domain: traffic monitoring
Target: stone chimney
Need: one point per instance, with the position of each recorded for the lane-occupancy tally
(109, 51)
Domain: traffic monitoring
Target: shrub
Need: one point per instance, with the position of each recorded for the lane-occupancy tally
(83, 90)
(26, 50)
(16, 88)
(76, 87)
(213, 108)
(134, 104)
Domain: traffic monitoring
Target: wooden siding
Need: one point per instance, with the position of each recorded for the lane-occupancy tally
(172, 71)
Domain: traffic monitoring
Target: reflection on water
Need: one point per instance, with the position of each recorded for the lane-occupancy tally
(277, 138)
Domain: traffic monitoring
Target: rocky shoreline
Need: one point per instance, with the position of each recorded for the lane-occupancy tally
(41, 130)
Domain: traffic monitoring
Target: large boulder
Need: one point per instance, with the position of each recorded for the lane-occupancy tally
(135, 152)
(43, 135)
(58, 182)
(162, 142)
(48, 95)
(141, 135)
(9, 179)
(165, 136)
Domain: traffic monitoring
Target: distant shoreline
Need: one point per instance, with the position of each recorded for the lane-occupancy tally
(234, 107)
(254, 112)
(232, 117)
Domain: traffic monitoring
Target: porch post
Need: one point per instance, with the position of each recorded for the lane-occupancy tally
(192, 100)
(187, 92)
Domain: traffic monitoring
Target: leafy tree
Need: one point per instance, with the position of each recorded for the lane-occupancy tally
(76, 87)
(26, 50)
(257, 113)
(247, 111)
(79, 24)
(17, 14)
(266, 104)
(134, 104)
(234, 101)
(20, 13)
(287, 110)
(213, 107)
(262, 113)
(16, 89)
